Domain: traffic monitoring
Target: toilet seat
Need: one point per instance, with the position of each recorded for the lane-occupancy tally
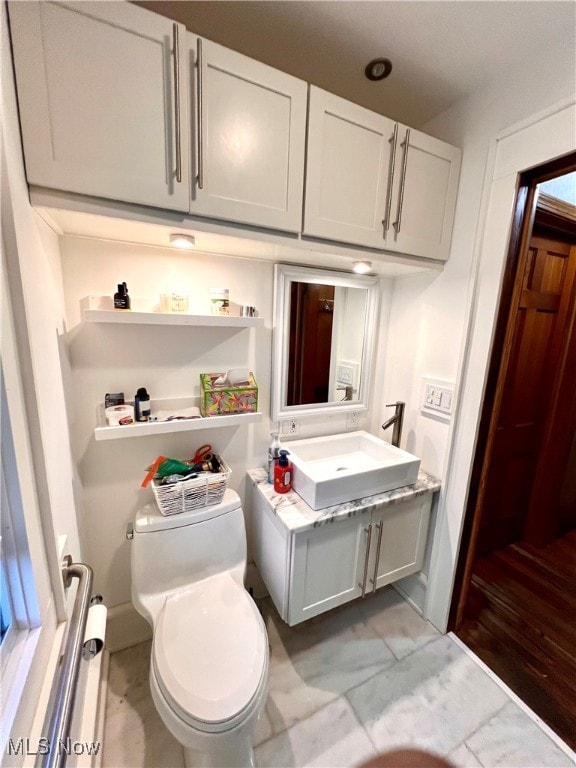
(210, 653)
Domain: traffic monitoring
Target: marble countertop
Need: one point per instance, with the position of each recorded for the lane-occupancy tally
(296, 515)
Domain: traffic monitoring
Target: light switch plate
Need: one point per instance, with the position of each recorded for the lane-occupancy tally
(437, 398)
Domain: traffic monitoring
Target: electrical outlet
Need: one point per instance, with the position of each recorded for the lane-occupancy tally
(293, 427)
(353, 420)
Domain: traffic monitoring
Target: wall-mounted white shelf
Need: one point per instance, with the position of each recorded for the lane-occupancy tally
(99, 309)
(142, 429)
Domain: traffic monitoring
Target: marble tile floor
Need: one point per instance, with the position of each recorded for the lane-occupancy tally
(365, 678)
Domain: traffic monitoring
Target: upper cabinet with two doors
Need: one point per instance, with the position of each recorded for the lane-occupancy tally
(120, 103)
(376, 183)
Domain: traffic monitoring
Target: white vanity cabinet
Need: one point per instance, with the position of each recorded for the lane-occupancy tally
(248, 135)
(347, 171)
(103, 107)
(373, 182)
(312, 561)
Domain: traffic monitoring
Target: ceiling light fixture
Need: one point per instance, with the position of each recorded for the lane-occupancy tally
(378, 69)
(182, 241)
(361, 267)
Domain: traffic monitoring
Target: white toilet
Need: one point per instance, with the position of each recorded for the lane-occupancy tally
(209, 665)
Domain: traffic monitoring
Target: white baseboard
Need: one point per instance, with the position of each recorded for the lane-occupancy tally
(253, 581)
(413, 590)
(125, 627)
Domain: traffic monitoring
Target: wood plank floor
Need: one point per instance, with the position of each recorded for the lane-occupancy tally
(520, 619)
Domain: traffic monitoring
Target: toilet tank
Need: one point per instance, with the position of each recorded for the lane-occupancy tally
(169, 552)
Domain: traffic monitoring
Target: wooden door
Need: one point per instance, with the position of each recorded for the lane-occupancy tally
(552, 510)
(347, 171)
(96, 93)
(311, 320)
(426, 173)
(250, 163)
(538, 341)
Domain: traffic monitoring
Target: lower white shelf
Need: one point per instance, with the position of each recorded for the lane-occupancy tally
(141, 429)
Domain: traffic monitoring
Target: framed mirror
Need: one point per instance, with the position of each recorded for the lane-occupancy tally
(324, 336)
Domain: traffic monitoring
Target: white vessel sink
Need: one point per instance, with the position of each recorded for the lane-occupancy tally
(337, 468)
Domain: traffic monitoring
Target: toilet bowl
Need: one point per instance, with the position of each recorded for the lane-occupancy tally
(209, 662)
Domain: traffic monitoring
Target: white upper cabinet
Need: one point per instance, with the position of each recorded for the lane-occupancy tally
(347, 171)
(250, 127)
(118, 102)
(423, 195)
(375, 183)
(100, 91)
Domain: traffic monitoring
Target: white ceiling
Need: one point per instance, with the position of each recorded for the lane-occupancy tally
(441, 50)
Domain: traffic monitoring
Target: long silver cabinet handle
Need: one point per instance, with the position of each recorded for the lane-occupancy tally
(176, 42)
(392, 141)
(200, 175)
(380, 527)
(398, 223)
(368, 532)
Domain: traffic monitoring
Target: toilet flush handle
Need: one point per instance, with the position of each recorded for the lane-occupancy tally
(130, 531)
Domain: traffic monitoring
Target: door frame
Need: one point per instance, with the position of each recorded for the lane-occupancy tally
(535, 140)
(521, 230)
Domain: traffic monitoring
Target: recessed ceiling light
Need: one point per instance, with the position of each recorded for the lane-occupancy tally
(181, 240)
(378, 69)
(361, 267)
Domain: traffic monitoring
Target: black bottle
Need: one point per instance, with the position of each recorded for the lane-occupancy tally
(121, 298)
(142, 405)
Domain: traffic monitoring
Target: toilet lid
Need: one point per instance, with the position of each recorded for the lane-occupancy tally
(210, 650)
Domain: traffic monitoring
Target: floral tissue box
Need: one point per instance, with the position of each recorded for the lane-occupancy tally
(222, 399)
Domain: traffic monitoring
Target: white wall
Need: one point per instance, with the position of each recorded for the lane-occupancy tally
(32, 325)
(430, 315)
(168, 362)
(35, 285)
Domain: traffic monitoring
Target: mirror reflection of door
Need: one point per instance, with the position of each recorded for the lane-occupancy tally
(311, 319)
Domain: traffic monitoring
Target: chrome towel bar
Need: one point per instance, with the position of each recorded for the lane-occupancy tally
(62, 696)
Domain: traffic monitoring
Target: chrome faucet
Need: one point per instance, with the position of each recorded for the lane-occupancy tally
(397, 420)
(348, 391)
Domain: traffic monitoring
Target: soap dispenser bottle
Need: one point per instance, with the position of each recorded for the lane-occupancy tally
(283, 473)
(273, 453)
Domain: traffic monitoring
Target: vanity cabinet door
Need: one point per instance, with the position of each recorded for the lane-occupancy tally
(250, 126)
(399, 534)
(97, 94)
(327, 567)
(424, 192)
(347, 171)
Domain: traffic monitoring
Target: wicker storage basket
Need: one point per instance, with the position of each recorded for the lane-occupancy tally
(202, 491)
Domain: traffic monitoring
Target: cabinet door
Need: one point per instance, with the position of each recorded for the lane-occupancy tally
(250, 143)
(97, 97)
(347, 171)
(271, 546)
(398, 540)
(423, 195)
(327, 568)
